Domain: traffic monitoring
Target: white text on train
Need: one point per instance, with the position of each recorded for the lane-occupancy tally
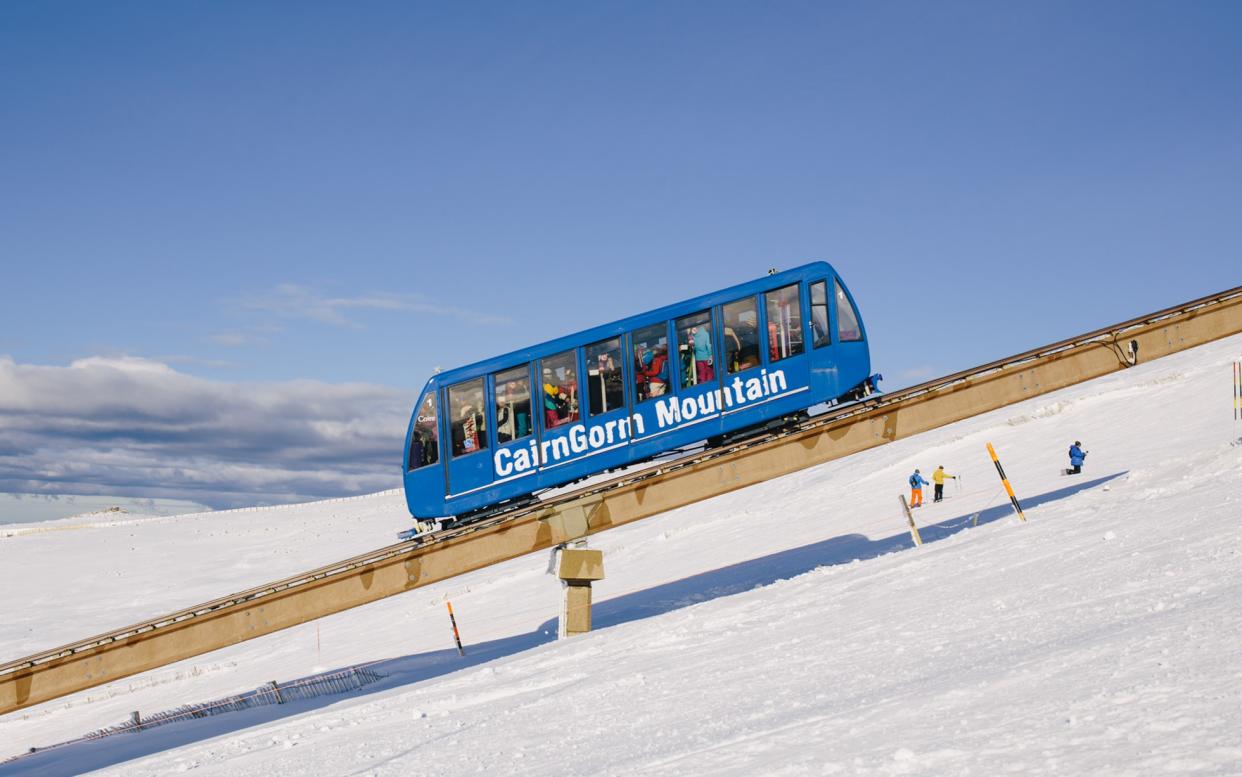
(673, 411)
(670, 412)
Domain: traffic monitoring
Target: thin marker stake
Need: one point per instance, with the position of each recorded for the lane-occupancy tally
(1237, 391)
(1017, 508)
(456, 636)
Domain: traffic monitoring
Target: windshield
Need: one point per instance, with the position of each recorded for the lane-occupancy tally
(425, 438)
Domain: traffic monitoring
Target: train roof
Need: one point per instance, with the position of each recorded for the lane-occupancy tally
(614, 328)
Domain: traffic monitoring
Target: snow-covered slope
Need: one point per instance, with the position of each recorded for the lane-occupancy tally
(788, 628)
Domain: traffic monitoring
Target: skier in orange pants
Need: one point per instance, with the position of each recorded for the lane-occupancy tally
(916, 489)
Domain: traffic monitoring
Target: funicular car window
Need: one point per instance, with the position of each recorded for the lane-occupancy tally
(741, 335)
(425, 440)
(784, 323)
(847, 319)
(819, 314)
(604, 383)
(513, 418)
(467, 417)
(695, 350)
(560, 389)
(650, 361)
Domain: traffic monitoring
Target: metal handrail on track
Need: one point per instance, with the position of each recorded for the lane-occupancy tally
(1106, 337)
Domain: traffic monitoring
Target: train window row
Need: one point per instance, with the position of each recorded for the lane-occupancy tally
(696, 358)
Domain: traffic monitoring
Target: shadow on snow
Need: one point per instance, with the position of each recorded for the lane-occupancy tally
(406, 670)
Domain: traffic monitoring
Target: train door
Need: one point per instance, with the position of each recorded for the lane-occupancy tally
(653, 366)
(469, 439)
(788, 368)
(607, 404)
(821, 326)
(560, 392)
(742, 347)
(697, 367)
(424, 476)
(825, 370)
(849, 338)
(514, 408)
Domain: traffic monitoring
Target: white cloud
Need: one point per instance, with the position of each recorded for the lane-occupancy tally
(183, 359)
(236, 339)
(289, 300)
(129, 426)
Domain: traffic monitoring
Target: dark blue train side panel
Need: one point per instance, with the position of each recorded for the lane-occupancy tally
(784, 354)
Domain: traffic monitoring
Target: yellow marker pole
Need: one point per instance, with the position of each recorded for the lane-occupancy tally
(1237, 391)
(914, 530)
(1017, 508)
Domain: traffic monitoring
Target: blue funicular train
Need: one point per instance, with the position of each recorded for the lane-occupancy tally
(490, 435)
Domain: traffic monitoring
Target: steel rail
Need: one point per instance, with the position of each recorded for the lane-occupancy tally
(578, 512)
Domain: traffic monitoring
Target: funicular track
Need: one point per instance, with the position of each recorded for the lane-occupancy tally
(629, 497)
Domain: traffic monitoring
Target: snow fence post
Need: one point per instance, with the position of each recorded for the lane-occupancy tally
(1013, 500)
(914, 530)
(576, 568)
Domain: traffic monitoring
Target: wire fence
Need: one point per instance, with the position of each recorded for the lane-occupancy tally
(343, 681)
(22, 530)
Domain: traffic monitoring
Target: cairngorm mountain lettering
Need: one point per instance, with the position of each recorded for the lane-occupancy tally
(670, 412)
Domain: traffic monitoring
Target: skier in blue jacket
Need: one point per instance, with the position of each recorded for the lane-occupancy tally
(1077, 457)
(916, 489)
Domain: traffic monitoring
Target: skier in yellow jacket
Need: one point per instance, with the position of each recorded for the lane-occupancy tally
(938, 479)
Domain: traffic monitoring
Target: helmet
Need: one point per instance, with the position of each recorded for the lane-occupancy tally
(1076, 442)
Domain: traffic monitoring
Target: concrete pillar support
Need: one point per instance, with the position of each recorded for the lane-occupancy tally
(577, 567)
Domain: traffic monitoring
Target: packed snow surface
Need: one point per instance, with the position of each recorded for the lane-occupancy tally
(790, 628)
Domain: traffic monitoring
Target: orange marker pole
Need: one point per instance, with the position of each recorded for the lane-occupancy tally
(1017, 508)
(456, 636)
(1237, 391)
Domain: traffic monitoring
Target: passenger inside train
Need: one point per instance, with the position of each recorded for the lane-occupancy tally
(741, 335)
(651, 371)
(694, 346)
(650, 362)
(469, 422)
(605, 386)
(560, 389)
(513, 419)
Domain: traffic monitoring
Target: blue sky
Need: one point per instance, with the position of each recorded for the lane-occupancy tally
(264, 224)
